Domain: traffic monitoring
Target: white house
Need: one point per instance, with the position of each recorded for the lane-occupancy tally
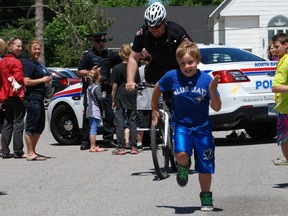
(249, 24)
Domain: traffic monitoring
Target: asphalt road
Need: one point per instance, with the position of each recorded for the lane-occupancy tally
(74, 182)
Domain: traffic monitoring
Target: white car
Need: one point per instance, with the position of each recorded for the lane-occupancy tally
(245, 90)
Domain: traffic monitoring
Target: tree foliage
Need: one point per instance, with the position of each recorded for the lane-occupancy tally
(122, 3)
(67, 25)
(191, 2)
(66, 36)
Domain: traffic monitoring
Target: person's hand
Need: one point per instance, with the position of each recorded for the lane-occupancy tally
(2, 107)
(214, 84)
(155, 116)
(47, 79)
(96, 67)
(16, 86)
(113, 106)
(104, 94)
(131, 86)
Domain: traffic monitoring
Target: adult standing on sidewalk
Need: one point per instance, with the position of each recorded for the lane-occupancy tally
(37, 80)
(2, 51)
(99, 56)
(11, 94)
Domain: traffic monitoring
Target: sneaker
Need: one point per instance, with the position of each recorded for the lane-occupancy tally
(206, 201)
(7, 156)
(119, 151)
(183, 173)
(134, 150)
(139, 148)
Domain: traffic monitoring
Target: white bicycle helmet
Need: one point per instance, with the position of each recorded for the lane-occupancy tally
(155, 14)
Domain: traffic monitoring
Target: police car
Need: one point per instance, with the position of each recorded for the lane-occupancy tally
(245, 90)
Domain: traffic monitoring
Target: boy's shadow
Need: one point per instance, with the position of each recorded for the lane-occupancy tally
(187, 209)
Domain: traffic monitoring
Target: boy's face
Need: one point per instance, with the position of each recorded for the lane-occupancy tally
(188, 65)
(281, 49)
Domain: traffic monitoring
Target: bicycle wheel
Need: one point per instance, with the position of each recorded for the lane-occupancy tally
(173, 161)
(160, 152)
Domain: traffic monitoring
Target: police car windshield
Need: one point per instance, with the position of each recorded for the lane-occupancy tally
(226, 55)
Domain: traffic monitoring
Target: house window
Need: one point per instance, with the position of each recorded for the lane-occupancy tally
(278, 24)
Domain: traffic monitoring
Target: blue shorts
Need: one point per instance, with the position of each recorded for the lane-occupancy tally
(201, 141)
(94, 123)
(282, 129)
(35, 115)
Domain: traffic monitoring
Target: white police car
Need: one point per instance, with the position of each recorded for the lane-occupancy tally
(245, 89)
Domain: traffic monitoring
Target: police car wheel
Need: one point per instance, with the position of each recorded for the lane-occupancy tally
(64, 125)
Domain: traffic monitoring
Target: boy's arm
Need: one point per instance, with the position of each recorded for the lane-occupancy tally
(280, 88)
(154, 103)
(215, 101)
(113, 93)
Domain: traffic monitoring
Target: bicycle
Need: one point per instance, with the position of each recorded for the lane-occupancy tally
(161, 140)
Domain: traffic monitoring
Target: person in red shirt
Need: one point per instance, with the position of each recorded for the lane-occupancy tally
(11, 95)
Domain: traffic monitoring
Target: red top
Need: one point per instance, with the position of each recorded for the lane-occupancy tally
(10, 66)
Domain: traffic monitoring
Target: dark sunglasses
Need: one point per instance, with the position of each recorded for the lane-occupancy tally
(155, 27)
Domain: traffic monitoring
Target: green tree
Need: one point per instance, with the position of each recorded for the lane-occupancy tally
(66, 35)
(122, 3)
(191, 2)
(68, 25)
(15, 18)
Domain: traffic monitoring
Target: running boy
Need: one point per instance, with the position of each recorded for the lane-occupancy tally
(280, 87)
(192, 91)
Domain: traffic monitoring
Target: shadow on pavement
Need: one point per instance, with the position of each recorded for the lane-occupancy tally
(281, 185)
(187, 210)
(241, 142)
(3, 193)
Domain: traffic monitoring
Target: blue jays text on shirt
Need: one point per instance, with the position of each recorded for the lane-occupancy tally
(195, 89)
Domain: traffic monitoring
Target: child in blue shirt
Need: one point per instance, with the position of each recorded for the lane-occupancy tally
(192, 92)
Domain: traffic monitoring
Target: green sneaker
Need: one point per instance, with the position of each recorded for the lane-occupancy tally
(206, 201)
(139, 148)
(182, 174)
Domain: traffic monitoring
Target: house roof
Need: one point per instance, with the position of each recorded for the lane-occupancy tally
(127, 20)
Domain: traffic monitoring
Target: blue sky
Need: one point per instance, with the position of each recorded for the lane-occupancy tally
(152, 1)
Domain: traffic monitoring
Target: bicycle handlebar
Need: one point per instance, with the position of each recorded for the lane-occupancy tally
(143, 85)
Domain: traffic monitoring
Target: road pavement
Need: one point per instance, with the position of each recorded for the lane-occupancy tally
(74, 182)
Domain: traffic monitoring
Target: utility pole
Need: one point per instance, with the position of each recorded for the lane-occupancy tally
(39, 26)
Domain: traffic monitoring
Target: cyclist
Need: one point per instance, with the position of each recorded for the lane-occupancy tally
(160, 38)
(192, 92)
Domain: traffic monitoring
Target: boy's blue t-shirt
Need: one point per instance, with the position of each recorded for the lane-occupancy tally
(190, 98)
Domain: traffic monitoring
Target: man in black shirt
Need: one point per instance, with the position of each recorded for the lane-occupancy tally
(160, 38)
(99, 56)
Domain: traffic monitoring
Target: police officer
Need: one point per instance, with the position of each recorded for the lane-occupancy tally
(160, 37)
(99, 56)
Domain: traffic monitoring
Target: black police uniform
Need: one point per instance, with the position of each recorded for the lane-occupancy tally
(106, 60)
(162, 49)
